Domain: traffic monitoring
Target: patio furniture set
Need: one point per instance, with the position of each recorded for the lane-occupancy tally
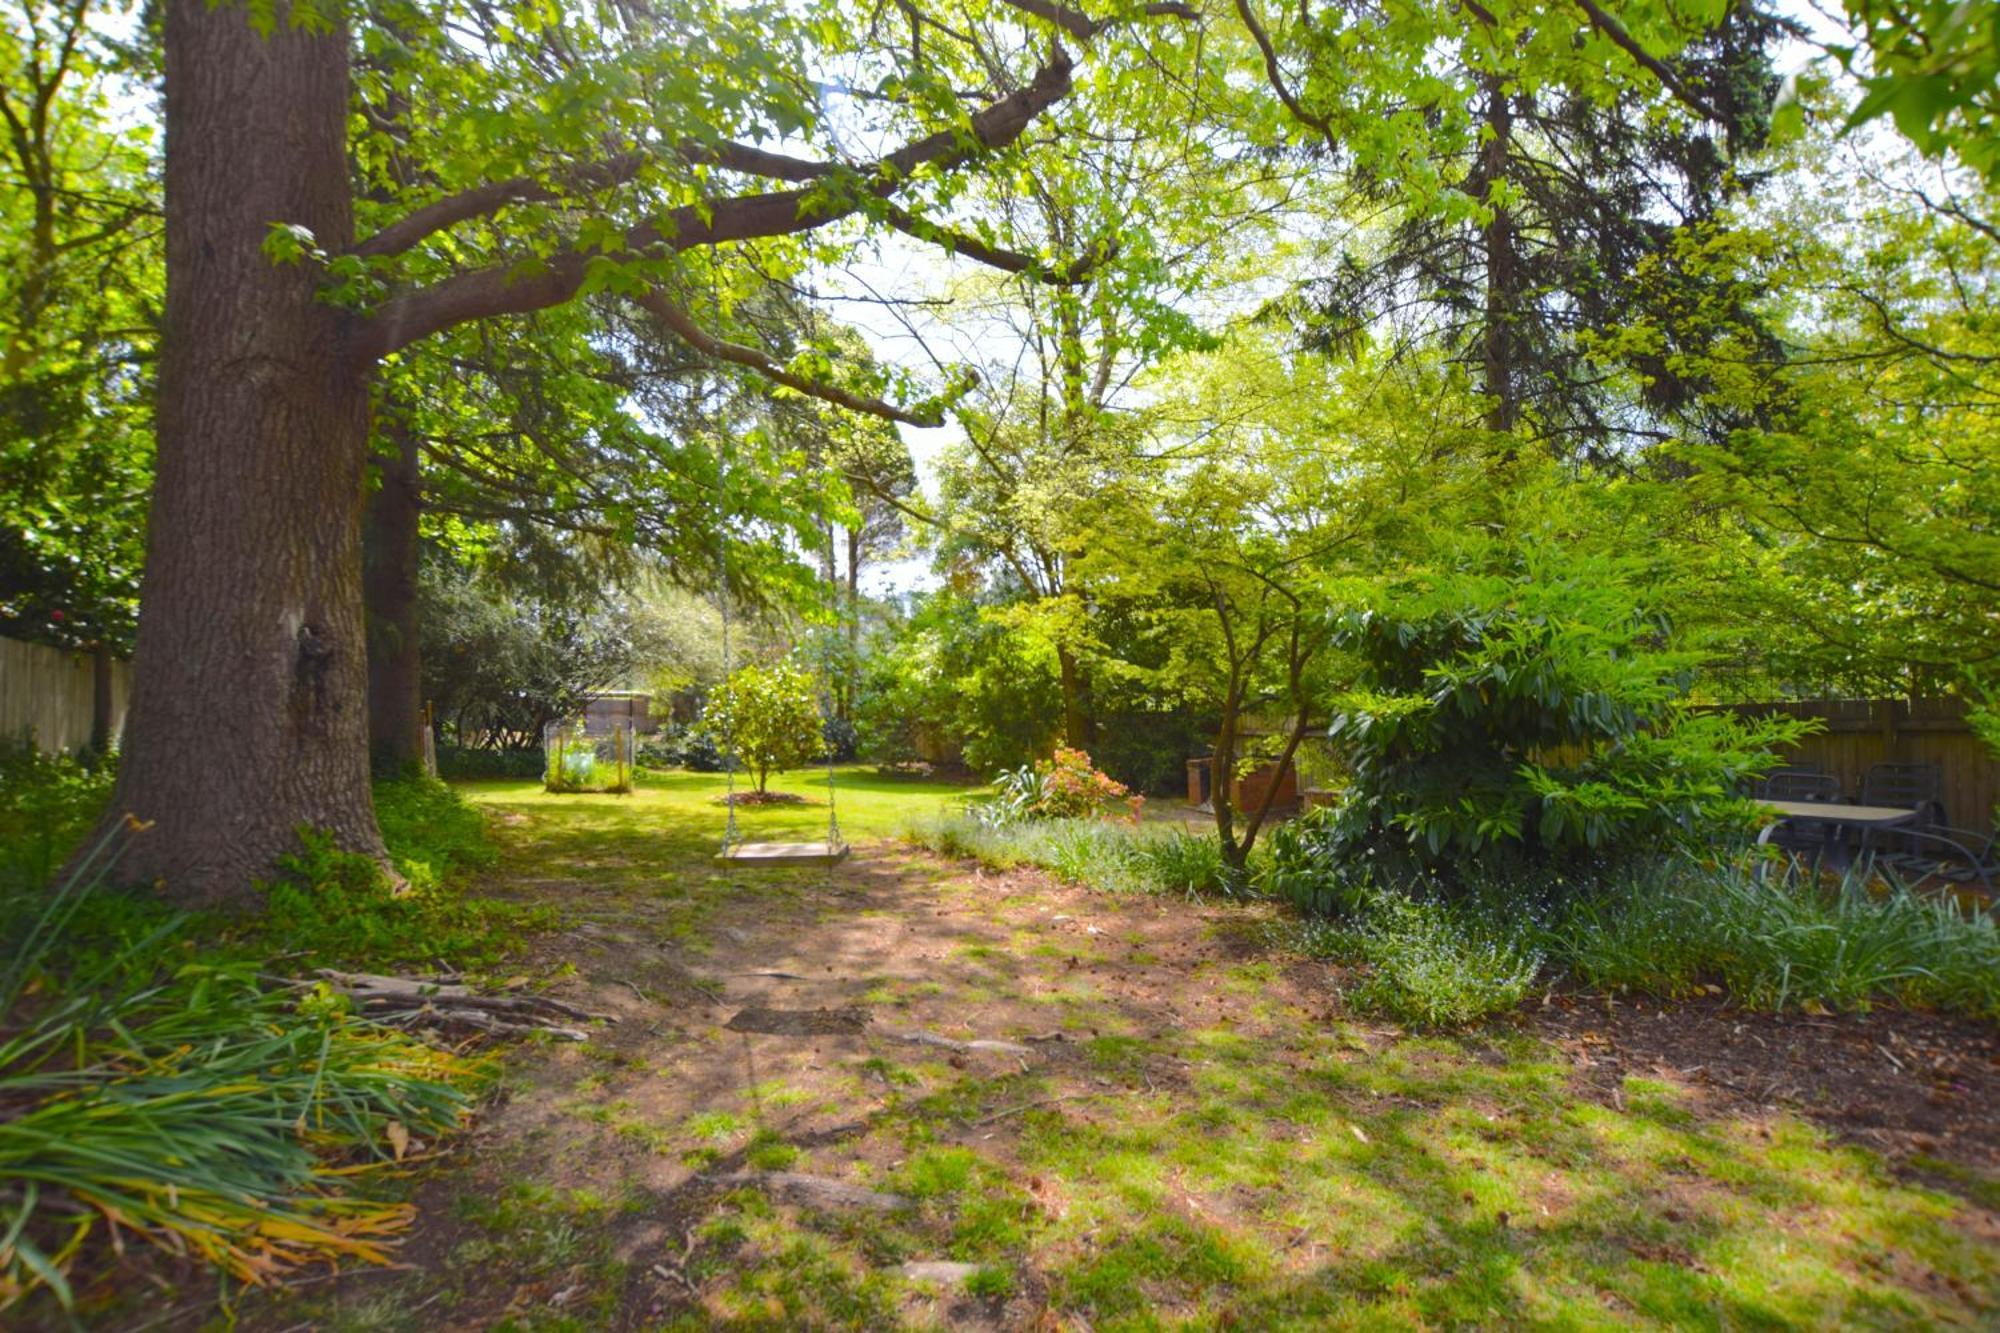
(1896, 823)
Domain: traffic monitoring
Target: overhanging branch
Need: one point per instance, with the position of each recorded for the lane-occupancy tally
(500, 290)
(683, 324)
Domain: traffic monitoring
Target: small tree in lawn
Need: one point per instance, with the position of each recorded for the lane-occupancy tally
(766, 719)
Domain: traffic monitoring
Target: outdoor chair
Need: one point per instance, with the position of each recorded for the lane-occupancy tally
(1910, 786)
(1928, 848)
(1801, 784)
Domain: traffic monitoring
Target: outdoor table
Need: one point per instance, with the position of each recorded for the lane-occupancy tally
(1866, 818)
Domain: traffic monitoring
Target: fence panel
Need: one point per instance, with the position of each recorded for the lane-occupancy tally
(1861, 732)
(47, 693)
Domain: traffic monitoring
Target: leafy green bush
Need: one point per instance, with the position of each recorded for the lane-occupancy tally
(1533, 713)
(767, 717)
(48, 803)
(157, 1093)
(467, 764)
(1064, 786)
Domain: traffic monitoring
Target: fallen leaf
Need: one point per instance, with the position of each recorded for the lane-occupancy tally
(1355, 1130)
(399, 1138)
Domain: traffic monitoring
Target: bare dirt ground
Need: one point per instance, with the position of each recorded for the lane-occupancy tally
(909, 1092)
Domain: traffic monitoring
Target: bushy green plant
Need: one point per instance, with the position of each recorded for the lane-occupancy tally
(1306, 863)
(157, 1094)
(1538, 713)
(1063, 786)
(1435, 963)
(48, 803)
(767, 718)
(467, 764)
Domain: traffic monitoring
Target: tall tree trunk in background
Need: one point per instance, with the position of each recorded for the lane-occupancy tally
(846, 692)
(1502, 271)
(389, 556)
(1078, 732)
(103, 703)
(248, 716)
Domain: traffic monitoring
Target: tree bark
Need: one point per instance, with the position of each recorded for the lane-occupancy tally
(102, 702)
(389, 556)
(1078, 734)
(1502, 271)
(247, 720)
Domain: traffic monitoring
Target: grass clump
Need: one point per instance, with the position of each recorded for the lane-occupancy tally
(47, 805)
(1777, 944)
(1107, 856)
(151, 1093)
(338, 907)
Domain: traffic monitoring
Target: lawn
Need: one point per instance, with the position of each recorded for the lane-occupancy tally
(913, 1093)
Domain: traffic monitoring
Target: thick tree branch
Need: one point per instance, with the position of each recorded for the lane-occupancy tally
(1655, 66)
(499, 290)
(486, 200)
(682, 323)
(1275, 76)
(1083, 27)
(1072, 274)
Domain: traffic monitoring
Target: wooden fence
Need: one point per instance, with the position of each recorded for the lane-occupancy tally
(1860, 732)
(47, 693)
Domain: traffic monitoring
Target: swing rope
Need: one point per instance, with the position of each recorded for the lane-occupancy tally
(731, 834)
(734, 846)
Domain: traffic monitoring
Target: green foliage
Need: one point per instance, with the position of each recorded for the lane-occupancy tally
(337, 908)
(1681, 928)
(1113, 857)
(954, 676)
(156, 1093)
(47, 805)
(1933, 68)
(767, 718)
(1436, 964)
(1538, 711)
(500, 665)
(1063, 786)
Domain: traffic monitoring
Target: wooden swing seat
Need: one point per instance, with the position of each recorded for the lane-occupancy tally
(784, 854)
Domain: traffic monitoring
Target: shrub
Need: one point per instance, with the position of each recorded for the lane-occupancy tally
(1064, 786)
(767, 718)
(1533, 713)
(1303, 862)
(48, 803)
(466, 764)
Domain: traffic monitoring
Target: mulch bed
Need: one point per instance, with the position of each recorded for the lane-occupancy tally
(764, 798)
(1905, 1084)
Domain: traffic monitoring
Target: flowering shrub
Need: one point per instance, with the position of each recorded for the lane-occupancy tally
(1071, 788)
(1064, 786)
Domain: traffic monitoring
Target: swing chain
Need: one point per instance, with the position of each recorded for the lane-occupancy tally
(731, 835)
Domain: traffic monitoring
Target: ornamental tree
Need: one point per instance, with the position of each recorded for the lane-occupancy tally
(766, 719)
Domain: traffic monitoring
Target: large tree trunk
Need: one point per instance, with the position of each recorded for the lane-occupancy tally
(389, 554)
(248, 716)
